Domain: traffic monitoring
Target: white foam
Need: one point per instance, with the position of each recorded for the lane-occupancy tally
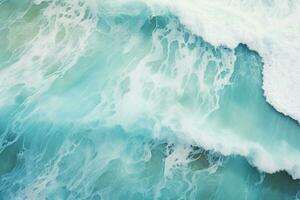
(52, 35)
(272, 28)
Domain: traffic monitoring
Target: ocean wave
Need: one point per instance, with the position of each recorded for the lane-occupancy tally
(177, 73)
(201, 114)
(269, 27)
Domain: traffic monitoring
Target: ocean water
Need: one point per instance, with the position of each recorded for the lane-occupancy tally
(122, 100)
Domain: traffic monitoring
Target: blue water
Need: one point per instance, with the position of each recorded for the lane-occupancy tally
(116, 102)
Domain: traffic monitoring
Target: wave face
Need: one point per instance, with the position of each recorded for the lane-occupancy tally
(111, 100)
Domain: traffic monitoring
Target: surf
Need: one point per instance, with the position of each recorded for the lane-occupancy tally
(103, 93)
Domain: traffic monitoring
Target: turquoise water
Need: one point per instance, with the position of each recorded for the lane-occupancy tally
(109, 101)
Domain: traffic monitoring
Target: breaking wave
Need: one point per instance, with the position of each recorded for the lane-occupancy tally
(110, 100)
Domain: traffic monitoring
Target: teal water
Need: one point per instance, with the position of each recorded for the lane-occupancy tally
(116, 101)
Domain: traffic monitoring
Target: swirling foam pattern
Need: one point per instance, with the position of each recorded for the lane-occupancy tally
(121, 100)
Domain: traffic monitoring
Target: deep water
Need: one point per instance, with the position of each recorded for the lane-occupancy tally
(107, 101)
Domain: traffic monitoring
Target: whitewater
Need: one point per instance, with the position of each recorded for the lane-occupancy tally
(269, 27)
(272, 28)
(136, 99)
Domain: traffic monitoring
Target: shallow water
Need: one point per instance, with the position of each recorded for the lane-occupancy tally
(116, 102)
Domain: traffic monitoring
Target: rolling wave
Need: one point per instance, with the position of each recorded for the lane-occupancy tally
(112, 100)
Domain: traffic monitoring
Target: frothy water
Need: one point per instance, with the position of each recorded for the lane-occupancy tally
(100, 100)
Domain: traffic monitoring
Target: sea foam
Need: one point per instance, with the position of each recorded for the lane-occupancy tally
(272, 28)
